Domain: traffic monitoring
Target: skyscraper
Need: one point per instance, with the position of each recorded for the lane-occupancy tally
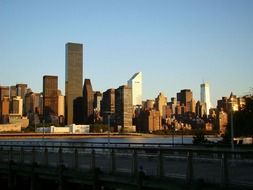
(205, 96)
(108, 106)
(186, 100)
(160, 104)
(136, 84)
(50, 96)
(124, 107)
(17, 105)
(73, 78)
(21, 90)
(88, 99)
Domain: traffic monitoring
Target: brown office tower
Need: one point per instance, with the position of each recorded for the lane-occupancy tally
(185, 97)
(21, 90)
(108, 106)
(88, 99)
(4, 109)
(50, 97)
(13, 91)
(124, 108)
(4, 92)
(73, 77)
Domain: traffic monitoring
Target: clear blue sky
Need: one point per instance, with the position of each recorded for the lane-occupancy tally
(176, 44)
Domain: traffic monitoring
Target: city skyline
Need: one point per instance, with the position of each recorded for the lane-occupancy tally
(175, 45)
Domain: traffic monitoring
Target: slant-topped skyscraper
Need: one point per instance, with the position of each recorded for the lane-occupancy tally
(136, 84)
(73, 77)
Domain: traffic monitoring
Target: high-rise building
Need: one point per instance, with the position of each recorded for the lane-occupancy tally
(205, 96)
(136, 84)
(185, 98)
(149, 104)
(88, 99)
(4, 109)
(4, 92)
(149, 121)
(50, 96)
(108, 106)
(21, 90)
(97, 105)
(160, 104)
(13, 91)
(17, 105)
(32, 103)
(73, 78)
(61, 100)
(124, 108)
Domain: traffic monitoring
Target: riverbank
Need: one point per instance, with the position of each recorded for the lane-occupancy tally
(88, 135)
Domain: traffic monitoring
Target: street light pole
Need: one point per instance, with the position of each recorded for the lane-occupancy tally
(232, 129)
(109, 118)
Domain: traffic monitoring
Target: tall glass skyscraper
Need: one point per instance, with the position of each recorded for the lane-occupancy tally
(73, 77)
(136, 84)
(205, 96)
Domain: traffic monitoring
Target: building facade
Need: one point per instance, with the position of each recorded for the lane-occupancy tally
(17, 105)
(108, 106)
(50, 96)
(73, 78)
(136, 84)
(161, 104)
(88, 99)
(205, 96)
(124, 108)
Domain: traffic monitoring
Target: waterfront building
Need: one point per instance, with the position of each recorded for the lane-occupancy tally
(205, 96)
(78, 110)
(149, 104)
(13, 91)
(185, 100)
(4, 92)
(222, 122)
(4, 109)
(149, 121)
(124, 108)
(61, 101)
(88, 99)
(21, 90)
(161, 104)
(135, 82)
(17, 105)
(32, 103)
(97, 105)
(73, 78)
(108, 106)
(50, 97)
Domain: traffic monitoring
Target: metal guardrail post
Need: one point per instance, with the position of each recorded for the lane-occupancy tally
(76, 164)
(1, 153)
(60, 158)
(160, 164)
(11, 154)
(112, 161)
(224, 171)
(33, 155)
(134, 163)
(93, 159)
(46, 156)
(21, 156)
(189, 171)
(11, 176)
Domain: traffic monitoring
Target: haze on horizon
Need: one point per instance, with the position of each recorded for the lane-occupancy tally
(176, 44)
